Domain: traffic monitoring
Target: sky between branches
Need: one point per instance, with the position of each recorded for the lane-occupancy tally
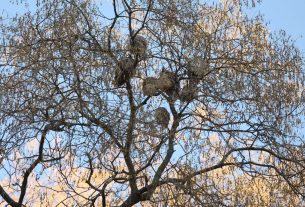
(281, 14)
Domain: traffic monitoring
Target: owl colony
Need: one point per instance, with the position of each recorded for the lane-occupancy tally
(168, 82)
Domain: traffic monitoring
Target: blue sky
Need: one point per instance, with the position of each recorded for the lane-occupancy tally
(288, 15)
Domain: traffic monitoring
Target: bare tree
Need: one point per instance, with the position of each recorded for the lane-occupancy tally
(152, 103)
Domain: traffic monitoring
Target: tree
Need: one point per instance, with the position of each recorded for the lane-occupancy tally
(154, 103)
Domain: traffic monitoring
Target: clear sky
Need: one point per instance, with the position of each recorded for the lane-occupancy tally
(288, 15)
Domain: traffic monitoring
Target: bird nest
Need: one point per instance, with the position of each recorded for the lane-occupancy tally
(167, 80)
(188, 92)
(139, 47)
(198, 67)
(140, 42)
(150, 86)
(124, 71)
(162, 116)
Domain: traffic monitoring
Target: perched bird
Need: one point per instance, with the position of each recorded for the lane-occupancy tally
(162, 117)
(139, 47)
(125, 70)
